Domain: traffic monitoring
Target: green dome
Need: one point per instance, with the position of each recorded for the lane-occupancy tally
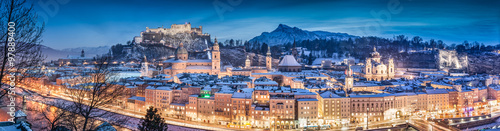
(181, 49)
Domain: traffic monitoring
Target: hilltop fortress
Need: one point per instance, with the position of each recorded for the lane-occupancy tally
(158, 35)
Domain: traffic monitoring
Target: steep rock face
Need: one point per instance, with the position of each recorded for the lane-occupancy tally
(233, 56)
(285, 34)
(192, 42)
(450, 59)
(484, 63)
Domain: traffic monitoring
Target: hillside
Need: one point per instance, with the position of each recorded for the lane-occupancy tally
(54, 54)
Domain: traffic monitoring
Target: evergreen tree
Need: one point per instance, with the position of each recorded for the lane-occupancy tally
(310, 59)
(153, 121)
(263, 48)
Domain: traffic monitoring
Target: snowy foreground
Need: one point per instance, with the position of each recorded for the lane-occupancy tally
(133, 119)
(496, 124)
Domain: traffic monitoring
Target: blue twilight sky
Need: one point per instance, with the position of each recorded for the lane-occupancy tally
(88, 23)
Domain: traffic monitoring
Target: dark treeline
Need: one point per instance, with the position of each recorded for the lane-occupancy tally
(361, 47)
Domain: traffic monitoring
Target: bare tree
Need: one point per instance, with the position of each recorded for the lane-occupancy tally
(51, 117)
(27, 35)
(94, 94)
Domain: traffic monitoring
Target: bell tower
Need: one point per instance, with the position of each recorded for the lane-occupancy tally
(145, 68)
(368, 66)
(247, 62)
(269, 59)
(349, 80)
(390, 68)
(83, 54)
(215, 58)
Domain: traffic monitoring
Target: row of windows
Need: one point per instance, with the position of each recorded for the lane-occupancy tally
(308, 107)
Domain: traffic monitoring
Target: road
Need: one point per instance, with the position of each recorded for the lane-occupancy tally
(427, 125)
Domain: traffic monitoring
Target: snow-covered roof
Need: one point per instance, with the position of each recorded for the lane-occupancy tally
(329, 94)
(164, 88)
(247, 95)
(289, 60)
(199, 67)
(105, 127)
(137, 98)
(20, 113)
(437, 91)
(200, 61)
(307, 99)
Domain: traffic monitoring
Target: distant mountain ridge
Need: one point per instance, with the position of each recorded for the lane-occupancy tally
(286, 34)
(54, 54)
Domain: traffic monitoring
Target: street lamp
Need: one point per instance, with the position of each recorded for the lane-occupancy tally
(367, 117)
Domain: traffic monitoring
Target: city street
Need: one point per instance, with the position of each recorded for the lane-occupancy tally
(431, 126)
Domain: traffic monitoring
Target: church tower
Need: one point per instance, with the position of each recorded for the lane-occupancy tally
(215, 58)
(294, 50)
(269, 59)
(368, 66)
(390, 68)
(247, 62)
(83, 54)
(144, 68)
(349, 79)
(375, 56)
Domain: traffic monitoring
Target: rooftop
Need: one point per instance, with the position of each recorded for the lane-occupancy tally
(289, 60)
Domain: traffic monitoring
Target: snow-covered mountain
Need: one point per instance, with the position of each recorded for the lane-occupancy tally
(54, 54)
(91, 51)
(284, 34)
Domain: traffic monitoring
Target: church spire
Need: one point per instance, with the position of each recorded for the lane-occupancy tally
(215, 42)
(348, 72)
(216, 45)
(268, 50)
(248, 62)
(83, 54)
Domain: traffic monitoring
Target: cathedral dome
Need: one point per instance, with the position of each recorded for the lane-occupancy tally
(181, 49)
(375, 54)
